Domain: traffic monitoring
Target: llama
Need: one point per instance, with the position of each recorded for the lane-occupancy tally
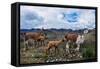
(79, 41)
(36, 36)
(74, 52)
(29, 43)
(75, 39)
(70, 38)
(53, 44)
(41, 40)
(33, 39)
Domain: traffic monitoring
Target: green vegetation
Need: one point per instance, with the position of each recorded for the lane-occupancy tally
(38, 55)
(88, 51)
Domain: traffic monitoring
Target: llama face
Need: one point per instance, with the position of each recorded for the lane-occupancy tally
(80, 39)
(85, 31)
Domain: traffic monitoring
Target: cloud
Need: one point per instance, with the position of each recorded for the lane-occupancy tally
(79, 18)
(48, 17)
(30, 19)
(71, 17)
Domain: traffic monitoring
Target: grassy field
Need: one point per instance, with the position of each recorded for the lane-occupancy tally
(38, 55)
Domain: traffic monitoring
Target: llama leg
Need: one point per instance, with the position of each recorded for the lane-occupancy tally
(26, 45)
(47, 52)
(42, 43)
(34, 43)
(78, 47)
(67, 48)
(37, 43)
(55, 51)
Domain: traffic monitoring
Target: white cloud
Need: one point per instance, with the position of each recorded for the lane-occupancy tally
(53, 17)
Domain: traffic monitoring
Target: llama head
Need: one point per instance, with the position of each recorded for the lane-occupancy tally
(80, 39)
(63, 40)
(85, 31)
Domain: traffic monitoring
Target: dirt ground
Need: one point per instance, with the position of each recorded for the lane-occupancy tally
(38, 54)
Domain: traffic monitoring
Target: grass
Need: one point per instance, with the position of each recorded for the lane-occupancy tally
(38, 55)
(88, 51)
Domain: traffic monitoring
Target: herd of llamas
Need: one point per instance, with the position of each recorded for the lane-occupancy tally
(36, 40)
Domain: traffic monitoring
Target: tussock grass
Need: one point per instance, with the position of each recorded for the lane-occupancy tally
(38, 55)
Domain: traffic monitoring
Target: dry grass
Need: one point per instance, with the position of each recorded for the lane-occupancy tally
(38, 55)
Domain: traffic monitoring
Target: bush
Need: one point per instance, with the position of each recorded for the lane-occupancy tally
(88, 52)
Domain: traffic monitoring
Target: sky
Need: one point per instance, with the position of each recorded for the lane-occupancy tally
(59, 18)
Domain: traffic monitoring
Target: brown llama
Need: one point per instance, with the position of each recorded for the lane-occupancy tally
(36, 38)
(53, 44)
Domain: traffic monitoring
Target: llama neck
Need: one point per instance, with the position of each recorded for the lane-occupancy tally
(60, 41)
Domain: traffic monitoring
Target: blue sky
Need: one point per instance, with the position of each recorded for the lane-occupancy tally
(48, 17)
